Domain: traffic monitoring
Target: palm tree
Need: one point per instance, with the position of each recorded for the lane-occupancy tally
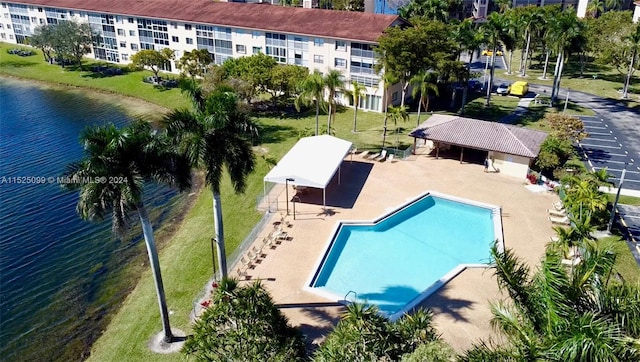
(355, 93)
(111, 179)
(634, 42)
(566, 29)
(423, 83)
(595, 8)
(333, 82)
(388, 79)
(561, 313)
(312, 90)
(493, 28)
(214, 135)
(396, 114)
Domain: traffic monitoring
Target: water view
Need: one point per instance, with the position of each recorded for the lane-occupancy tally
(59, 275)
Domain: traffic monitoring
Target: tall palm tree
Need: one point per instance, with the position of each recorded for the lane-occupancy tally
(355, 93)
(111, 177)
(634, 42)
(423, 83)
(312, 91)
(566, 29)
(333, 82)
(495, 26)
(215, 135)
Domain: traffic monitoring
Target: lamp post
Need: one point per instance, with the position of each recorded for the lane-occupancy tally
(615, 203)
(286, 190)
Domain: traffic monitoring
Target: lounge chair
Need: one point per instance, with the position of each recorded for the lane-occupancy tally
(374, 156)
(558, 205)
(554, 239)
(572, 262)
(382, 157)
(556, 213)
(364, 153)
(390, 158)
(559, 220)
(246, 262)
(242, 274)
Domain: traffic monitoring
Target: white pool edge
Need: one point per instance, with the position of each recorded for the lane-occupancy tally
(498, 233)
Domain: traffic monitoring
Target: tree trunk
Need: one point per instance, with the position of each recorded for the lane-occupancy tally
(555, 77)
(493, 60)
(453, 98)
(147, 232)
(317, 114)
(355, 117)
(404, 93)
(627, 81)
(546, 64)
(510, 62)
(526, 54)
(217, 223)
(464, 99)
(420, 108)
(329, 119)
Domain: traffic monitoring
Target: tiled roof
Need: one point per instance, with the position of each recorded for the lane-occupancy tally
(483, 135)
(348, 25)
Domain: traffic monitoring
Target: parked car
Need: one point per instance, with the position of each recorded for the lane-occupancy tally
(503, 89)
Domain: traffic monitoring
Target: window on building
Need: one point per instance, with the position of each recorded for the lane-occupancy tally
(239, 31)
(125, 57)
(341, 46)
(39, 10)
(187, 26)
(123, 44)
(256, 34)
(134, 47)
(340, 63)
(189, 41)
(71, 13)
(174, 25)
(34, 19)
(318, 59)
(120, 32)
(130, 20)
(3, 36)
(174, 39)
(318, 42)
(276, 47)
(132, 33)
(394, 96)
(41, 21)
(241, 49)
(257, 50)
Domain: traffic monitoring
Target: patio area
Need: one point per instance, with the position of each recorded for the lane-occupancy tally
(367, 189)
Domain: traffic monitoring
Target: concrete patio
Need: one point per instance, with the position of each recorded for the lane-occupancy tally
(367, 189)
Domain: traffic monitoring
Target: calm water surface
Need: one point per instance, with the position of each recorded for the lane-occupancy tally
(57, 272)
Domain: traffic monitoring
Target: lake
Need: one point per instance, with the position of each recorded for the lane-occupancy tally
(59, 275)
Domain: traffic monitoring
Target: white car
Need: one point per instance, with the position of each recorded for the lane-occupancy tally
(503, 89)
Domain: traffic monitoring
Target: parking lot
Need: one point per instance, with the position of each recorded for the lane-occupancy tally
(605, 148)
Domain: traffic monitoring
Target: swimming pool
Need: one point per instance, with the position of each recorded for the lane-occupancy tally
(397, 260)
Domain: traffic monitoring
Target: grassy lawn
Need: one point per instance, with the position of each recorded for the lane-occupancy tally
(186, 258)
(606, 84)
(627, 200)
(626, 264)
(499, 107)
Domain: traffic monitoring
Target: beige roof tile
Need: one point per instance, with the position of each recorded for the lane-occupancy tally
(483, 135)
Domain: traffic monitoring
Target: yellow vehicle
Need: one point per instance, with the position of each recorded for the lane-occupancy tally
(519, 88)
(489, 52)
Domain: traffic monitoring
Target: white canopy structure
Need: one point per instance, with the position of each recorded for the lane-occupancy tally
(311, 162)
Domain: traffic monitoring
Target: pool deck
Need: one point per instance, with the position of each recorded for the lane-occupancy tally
(367, 190)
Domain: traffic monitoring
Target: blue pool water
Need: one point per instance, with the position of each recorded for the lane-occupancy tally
(392, 262)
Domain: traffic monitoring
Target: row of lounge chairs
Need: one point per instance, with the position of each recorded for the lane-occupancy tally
(558, 215)
(256, 254)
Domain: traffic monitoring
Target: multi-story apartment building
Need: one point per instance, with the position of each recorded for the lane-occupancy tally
(313, 38)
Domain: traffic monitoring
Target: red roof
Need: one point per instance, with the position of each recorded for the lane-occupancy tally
(349, 25)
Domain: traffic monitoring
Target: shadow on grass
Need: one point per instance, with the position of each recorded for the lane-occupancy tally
(12, 64)
(494, 112)
(270, 133)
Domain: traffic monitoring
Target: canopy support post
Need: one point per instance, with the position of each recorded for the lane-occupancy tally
(324, 197)
(264, 193)
(461, 154)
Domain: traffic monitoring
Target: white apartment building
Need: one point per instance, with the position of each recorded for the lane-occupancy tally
(313, 38)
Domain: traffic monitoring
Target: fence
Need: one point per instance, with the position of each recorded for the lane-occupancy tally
(232, 260)
(398, 153)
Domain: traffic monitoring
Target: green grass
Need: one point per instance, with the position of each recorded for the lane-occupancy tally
(626, 264)
(627, 200)
(186, 258)
(606, 84)
(498, 108)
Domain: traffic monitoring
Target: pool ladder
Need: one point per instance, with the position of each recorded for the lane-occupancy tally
(355, 296)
